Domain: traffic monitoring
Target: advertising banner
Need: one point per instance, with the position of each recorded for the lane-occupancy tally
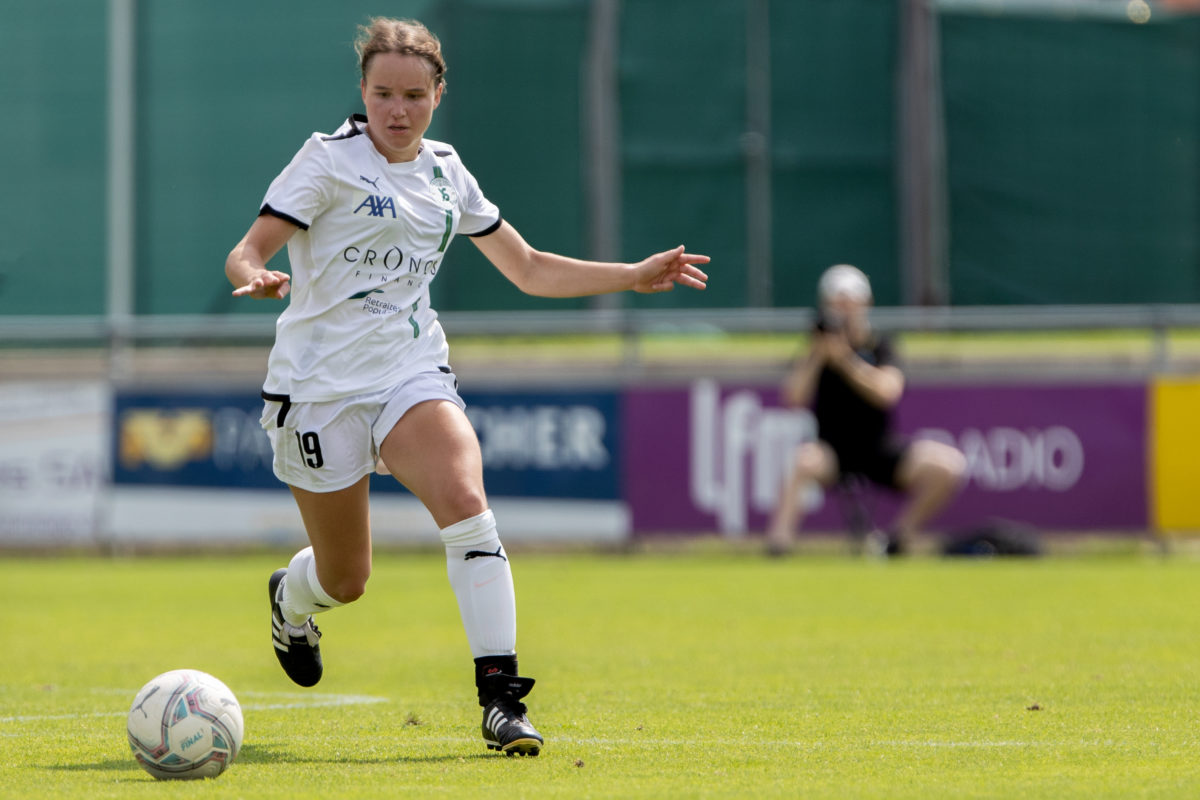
(548, 444)
(1063, 457)
(196, 466)
(167, 438)
(1175, 441)
(545, 444)
(54, 464)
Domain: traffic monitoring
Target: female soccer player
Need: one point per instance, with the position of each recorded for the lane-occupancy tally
(360, 367)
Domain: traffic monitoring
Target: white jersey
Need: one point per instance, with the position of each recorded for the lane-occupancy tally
(372, 237)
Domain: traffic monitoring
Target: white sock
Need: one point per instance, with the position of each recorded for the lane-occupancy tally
(302, 592)
(482, 581)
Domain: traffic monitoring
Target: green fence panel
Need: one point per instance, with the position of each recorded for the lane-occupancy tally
(231, 90)
(1074, 159)
(833, 81)
(52, 157)
(1073, 145)
(682, 94)
(228, 93)
(512, 109)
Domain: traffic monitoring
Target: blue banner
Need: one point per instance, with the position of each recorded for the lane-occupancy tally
(191, 439)
(535, 444)
(548, 444)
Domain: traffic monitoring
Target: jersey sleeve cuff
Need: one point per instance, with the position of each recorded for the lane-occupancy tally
(274, 212)
(495, 226)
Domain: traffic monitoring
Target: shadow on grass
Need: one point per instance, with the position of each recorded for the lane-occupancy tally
(109, 765)
(268, 754)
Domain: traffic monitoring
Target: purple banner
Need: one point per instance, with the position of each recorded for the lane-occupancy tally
(1060, 457)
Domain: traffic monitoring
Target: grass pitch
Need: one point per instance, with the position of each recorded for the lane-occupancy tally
(710, 673)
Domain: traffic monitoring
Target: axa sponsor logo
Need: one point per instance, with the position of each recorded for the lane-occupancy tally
(377, 205)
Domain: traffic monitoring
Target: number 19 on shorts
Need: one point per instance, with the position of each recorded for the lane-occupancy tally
(310, 449)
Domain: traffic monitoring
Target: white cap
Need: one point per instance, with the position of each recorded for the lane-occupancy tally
(843, 279)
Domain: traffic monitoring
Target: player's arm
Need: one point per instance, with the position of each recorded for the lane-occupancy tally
(550, 275)
(246, 265)
(881, 386)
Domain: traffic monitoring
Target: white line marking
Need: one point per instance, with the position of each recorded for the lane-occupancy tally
(319, 702)
(296, 700)
(820, 745)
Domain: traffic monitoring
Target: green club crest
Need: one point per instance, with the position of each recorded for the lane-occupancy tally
(443, 192)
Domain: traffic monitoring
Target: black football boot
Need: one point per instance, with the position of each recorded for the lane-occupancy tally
(297, 649)
(505, 726)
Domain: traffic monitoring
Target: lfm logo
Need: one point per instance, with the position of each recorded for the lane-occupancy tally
(735, 437)
(376, 205)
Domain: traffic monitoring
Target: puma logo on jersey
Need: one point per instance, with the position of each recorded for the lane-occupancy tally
(374, 183)
(377, 204)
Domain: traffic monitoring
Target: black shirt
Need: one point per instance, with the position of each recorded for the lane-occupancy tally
(845, 419)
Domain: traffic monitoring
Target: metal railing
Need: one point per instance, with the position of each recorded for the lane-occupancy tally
(198, 329)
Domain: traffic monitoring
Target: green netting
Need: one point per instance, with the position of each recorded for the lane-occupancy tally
(228, 92)
(52, 156)
(1073, 145)
(833, 130)
(683, 106)
(682, 94)
(1074, 160)
(231, 90)
(512, 109)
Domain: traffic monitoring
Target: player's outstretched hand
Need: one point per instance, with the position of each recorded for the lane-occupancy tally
(661, 271)
(266, 285)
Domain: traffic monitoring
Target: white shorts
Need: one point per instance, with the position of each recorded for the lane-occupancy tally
(323, 447)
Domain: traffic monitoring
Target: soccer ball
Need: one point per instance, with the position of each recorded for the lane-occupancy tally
(185, 724)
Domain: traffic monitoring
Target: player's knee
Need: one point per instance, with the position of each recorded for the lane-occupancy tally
(348, 588)
(348, 592)
(462, 502)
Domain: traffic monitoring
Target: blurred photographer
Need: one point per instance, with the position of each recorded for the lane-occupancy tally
(851, 381)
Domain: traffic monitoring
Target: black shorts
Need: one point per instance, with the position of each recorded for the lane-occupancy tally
(877, 464)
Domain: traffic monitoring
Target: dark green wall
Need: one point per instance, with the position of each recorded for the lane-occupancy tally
(1074, 160)
(834, 135)
(512, 110)
(1073, 146)
(52, 152)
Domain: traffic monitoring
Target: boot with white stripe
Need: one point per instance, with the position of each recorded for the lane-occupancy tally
(296, 648)
(505, 726)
